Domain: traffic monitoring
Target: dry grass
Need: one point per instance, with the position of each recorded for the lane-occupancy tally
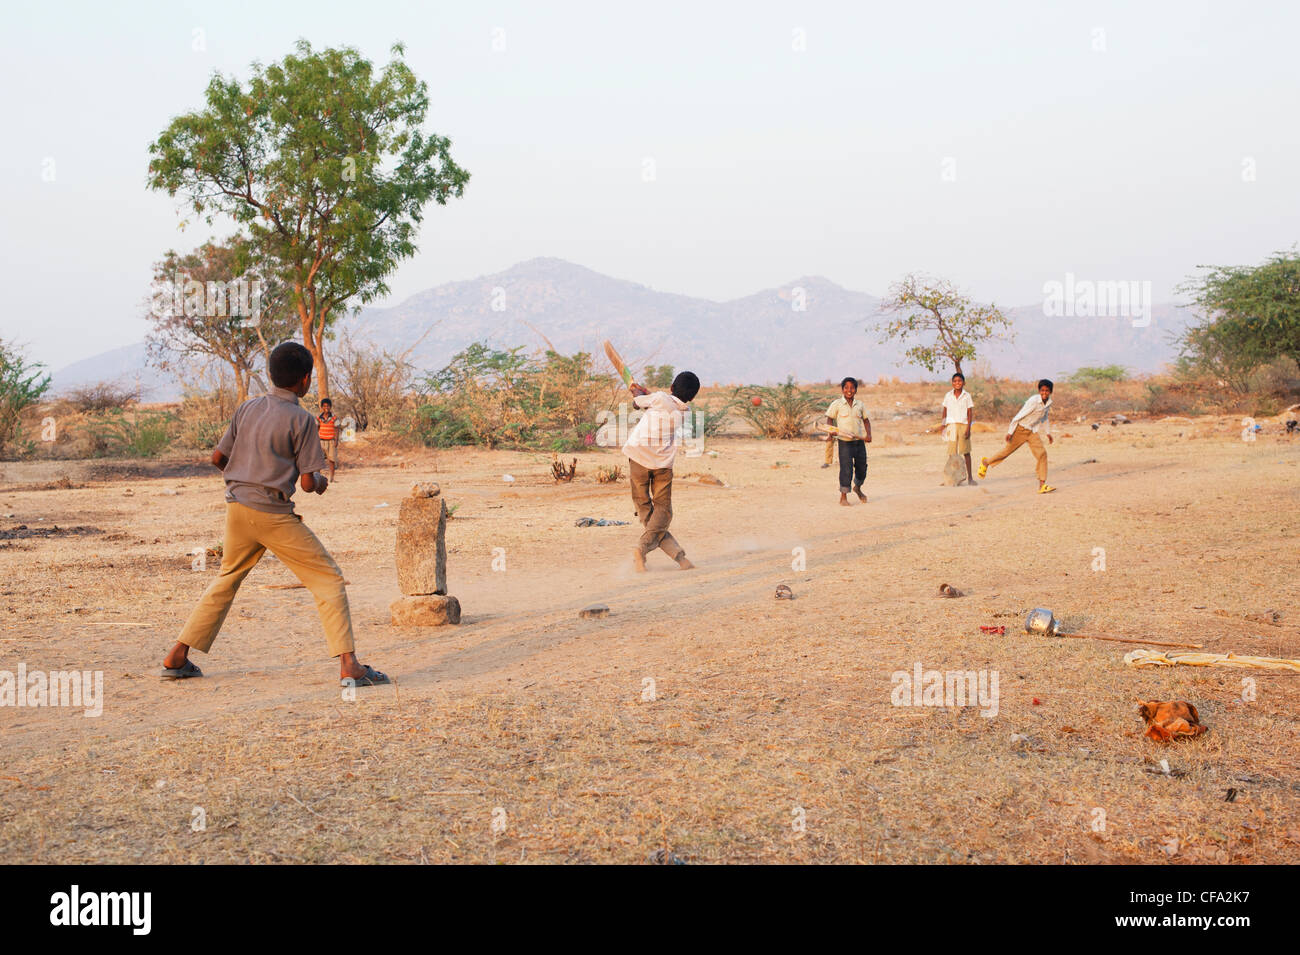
(761, 707)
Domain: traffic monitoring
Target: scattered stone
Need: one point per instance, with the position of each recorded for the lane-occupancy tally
(425, 489)
(381, 504)
(592, 522)
(710, 479)
(428, 610)
(593, 611)
(783, 592)
(948, 590)
(422, 546)
(665, 857)
(508, 478)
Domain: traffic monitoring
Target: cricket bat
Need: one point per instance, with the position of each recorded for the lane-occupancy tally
(619, 366)
(831, 430)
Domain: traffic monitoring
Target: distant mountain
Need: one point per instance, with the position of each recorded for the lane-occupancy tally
(125, 364)
(811, 328)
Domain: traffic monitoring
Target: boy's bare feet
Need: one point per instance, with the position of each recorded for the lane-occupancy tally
(844, 500)
(638, 560)
(177, 657)
(861, 497)
(684, 563)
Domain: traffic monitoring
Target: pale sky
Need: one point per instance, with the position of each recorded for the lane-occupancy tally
(1104, 139)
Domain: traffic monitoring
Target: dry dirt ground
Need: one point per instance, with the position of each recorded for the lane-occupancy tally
(703, 720)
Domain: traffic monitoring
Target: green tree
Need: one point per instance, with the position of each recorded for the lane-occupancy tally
(948, 323)
(323, 159)
(21, 384)
(659, 376)
(1251, 316)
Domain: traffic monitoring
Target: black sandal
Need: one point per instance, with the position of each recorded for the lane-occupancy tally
(181, 673)
(371, 677)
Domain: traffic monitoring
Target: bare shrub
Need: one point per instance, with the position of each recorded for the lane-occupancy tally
(102, 396)
(373, 384)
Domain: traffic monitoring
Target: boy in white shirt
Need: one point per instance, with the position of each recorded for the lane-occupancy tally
(1024, 429)
(958, 415)
(848, 416)
(651, 449)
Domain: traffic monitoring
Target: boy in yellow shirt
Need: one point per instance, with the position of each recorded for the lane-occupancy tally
(848, 416)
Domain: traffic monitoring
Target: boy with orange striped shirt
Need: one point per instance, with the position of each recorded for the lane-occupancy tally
(329, 435)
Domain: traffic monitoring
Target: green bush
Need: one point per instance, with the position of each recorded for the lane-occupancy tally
(1107, 373)
(144, 434)
(501, 398)
(783, 412)
(21, 384)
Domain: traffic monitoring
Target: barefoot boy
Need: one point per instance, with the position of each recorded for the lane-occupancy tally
(272, 442)
(651, 449)
(958, 415)
(848, 416)
(329, 434)
(1024, 429)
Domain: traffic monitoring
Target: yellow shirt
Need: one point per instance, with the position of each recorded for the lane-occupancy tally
(849, 418)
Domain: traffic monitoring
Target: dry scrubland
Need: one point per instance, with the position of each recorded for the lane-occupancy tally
(761, 707)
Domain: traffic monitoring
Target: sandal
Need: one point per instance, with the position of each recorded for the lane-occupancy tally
(371, 677)
(181, 673)
(1046, 489)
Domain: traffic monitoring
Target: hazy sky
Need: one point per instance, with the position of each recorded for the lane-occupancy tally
(770, 162)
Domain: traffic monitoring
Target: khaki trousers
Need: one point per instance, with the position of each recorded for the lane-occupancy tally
(1024, 436)
(652, 495)
(250, 534)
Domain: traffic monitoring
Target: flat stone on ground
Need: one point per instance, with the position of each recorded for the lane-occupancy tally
(433, 610)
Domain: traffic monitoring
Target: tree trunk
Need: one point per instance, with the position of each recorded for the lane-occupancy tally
(312, 338)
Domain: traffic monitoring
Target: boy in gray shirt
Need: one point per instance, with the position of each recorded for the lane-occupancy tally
(273, 442)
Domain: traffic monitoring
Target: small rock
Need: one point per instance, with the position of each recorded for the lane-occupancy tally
(508, 478)
(425, 489)
(594, 610)
(433, 610)
(783, 592)
(948, 590)
(710, 479)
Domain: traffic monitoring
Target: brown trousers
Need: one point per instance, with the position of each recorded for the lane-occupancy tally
(652, 495)
(1024, 436)
(250, 534)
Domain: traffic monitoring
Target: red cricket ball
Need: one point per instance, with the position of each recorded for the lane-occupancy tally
(756, 401)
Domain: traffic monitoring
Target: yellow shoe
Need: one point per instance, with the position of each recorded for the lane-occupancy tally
(983, 471)
(1046, 489)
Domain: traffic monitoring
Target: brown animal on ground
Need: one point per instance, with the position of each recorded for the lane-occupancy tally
(1167, 720)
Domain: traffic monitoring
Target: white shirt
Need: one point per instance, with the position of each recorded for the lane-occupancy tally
(849, 418)
(957, 407)
(653, 442)
(1033, 415)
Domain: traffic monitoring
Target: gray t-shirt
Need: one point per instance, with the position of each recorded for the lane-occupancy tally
(270, 442)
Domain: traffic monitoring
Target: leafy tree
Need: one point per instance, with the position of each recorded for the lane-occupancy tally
(948, 323)
(659, 376)
(322, 158)
(21, 384)
(1251, 318)
(219, 303)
